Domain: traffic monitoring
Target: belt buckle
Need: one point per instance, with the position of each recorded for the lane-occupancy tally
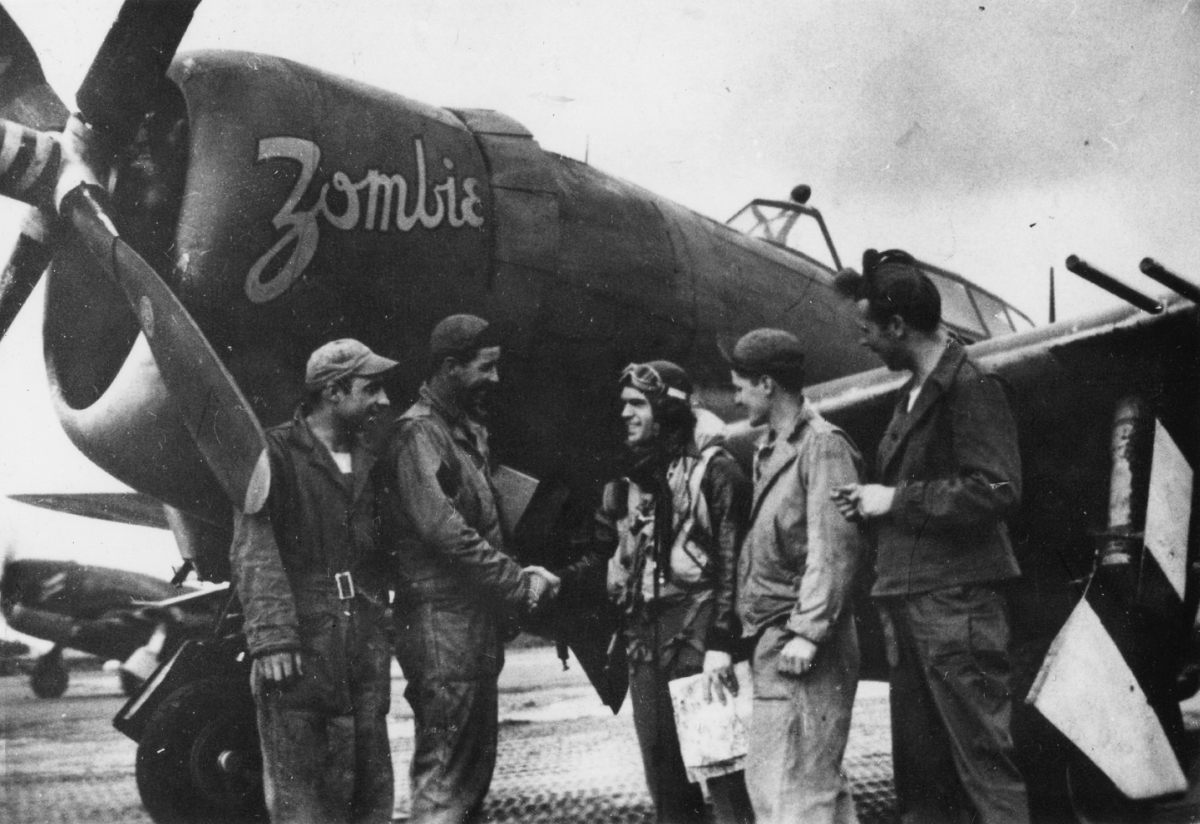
(345, 586)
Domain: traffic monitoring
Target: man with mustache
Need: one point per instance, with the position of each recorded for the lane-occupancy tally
(457, 590)
(313, 581)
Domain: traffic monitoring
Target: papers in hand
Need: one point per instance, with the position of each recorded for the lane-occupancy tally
(712, 735)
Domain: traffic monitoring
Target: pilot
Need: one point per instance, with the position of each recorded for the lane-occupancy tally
(457, 589)
(313, 582)
(947, 472)
(667, 536)
(795, 581)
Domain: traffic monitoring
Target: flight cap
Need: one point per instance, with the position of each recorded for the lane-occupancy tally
(658, 380)
(343, 358)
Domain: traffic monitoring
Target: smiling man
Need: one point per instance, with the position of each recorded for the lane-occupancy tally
(947, 472)
(795, 578)
(313, 582)
(457, 591)
(667, 535)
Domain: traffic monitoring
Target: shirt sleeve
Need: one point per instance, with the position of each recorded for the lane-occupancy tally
(729, 496)
(987, 485)
(835, 545)
(262, 586)
(440, 527)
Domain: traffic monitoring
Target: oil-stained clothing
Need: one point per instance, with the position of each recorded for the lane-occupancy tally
(457, 591)
(941, 552)
(795, 578)
(676, 586)
(326, 756)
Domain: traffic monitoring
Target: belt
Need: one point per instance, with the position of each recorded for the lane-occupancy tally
(344, 585)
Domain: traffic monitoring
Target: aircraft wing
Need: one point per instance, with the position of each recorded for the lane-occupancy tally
(110, 637)
(120, 507)
(1106, 536)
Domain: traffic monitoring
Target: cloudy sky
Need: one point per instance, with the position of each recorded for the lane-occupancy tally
(990, 138)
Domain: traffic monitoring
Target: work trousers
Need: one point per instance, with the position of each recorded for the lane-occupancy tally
(451, 654)
(798, 731)
(676, 799)
(326, 756)
(951, 705)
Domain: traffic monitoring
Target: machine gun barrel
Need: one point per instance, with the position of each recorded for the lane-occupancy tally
(1113, 286)
(1155, 270)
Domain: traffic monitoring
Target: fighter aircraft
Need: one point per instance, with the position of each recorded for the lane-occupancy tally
(115, 614)
(213, 218)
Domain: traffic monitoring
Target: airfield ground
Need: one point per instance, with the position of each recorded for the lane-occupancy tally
(563, 756)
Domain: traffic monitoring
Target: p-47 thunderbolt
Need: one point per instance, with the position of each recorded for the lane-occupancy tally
(209, 219)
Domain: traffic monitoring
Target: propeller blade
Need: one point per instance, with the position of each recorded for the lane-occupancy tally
(39, 168)
(131, 66)
(29, 164)
(119, 91)
(29, 259)
(214, 410)
(25, 96)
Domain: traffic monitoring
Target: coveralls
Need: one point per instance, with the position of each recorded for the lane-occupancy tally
(456, 593)
(795, 578)
(311, 577)
(942, 550)
(671, 623)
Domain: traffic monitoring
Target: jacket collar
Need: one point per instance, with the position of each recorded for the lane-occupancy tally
(302, 437)
(776, 452)
(443, 406)
(903, 421)
(461, 425)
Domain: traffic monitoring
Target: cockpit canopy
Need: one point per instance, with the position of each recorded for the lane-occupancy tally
(973, 314)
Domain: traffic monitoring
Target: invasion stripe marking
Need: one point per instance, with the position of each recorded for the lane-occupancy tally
(1086, 689)
(1167, 520)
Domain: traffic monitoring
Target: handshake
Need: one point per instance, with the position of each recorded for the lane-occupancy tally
(543, 588)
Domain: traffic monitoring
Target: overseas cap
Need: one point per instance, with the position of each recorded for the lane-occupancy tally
(659, 379)
(458, 335)
(343, 358)
(766, 352)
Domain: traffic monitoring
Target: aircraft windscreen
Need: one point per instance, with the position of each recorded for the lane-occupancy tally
(957, 309)
(784, 227)
(995, 315)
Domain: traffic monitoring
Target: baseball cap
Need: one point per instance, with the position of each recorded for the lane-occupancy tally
(343, 358)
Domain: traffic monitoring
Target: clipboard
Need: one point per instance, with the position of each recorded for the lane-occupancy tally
(514, 491)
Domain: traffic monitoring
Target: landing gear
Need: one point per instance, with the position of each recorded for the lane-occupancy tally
(49, 677)
(199, 760)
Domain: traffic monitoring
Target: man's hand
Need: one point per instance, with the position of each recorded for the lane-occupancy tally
(278, 669)
(718, 676)
(858, 501)
(543, 587)
(796, 657)
(846, 498)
